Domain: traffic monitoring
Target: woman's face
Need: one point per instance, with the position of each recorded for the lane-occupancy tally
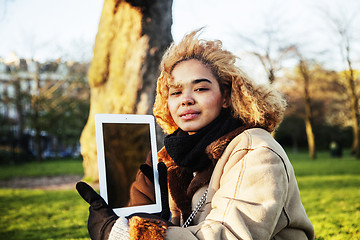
(195, 99)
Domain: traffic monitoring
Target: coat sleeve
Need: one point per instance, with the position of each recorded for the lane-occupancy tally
(251, 195)
(142, 189)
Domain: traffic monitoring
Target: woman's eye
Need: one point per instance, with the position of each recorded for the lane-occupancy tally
(201, 89)
(174, 93)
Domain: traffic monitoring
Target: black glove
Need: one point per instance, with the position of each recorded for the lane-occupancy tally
(148, 172)
(101, 216)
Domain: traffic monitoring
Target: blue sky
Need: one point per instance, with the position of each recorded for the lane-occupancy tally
(49, 29)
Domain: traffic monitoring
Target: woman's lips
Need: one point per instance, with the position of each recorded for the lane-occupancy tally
(189, 115)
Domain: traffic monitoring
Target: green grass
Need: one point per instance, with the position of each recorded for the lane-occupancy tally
(40, 214)
(45, 168)
(330, 192)
(329, 187)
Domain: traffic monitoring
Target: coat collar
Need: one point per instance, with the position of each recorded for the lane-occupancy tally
(182, 183)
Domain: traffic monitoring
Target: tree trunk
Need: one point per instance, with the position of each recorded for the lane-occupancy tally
(308, 112)
(311, 138)
(36, 118)
(20, 113)
(355, 116)
(308, 123)
(130, 42)
(355, 121)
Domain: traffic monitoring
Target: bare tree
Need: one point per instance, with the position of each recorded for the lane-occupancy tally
(269, 55)
(344, 28)
(268, 45)
(306, 76)
(35, 116)
(130, 42)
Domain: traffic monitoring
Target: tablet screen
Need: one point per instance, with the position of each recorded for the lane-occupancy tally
(124, 142)
(126, 148)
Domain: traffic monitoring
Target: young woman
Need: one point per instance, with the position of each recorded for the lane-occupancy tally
(227, 177)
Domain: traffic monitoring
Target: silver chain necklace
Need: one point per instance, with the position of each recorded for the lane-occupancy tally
(196, 210)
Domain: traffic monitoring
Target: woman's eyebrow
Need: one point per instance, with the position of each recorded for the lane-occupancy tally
(196, 81)
(201, 80)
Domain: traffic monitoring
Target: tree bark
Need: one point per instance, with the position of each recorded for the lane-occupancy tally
(35, 117)
(354, 100)
(308, 112)
(131, 39)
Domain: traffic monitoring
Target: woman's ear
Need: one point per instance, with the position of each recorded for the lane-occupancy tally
(226, 100)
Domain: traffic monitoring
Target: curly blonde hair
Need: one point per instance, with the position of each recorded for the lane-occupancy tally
(256, 106)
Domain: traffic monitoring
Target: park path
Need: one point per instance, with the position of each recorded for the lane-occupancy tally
(47, 183)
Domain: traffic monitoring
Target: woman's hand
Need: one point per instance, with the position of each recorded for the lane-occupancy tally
(101, 216)
(148, 172)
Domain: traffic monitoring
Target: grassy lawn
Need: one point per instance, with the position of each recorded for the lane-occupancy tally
(40, 214)
(45, 168)
(330, 191)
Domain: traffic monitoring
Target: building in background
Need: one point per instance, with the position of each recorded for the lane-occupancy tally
(42, 99)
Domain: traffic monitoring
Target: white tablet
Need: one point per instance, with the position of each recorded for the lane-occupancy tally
(123, 143)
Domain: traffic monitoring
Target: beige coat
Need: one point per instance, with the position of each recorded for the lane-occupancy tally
(252, 192)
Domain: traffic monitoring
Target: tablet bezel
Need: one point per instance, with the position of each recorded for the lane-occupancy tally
(101, 118)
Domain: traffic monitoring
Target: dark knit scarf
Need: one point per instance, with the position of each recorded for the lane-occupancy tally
(189, 150)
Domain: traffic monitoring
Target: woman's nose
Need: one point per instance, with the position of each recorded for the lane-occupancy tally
(187, 100)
